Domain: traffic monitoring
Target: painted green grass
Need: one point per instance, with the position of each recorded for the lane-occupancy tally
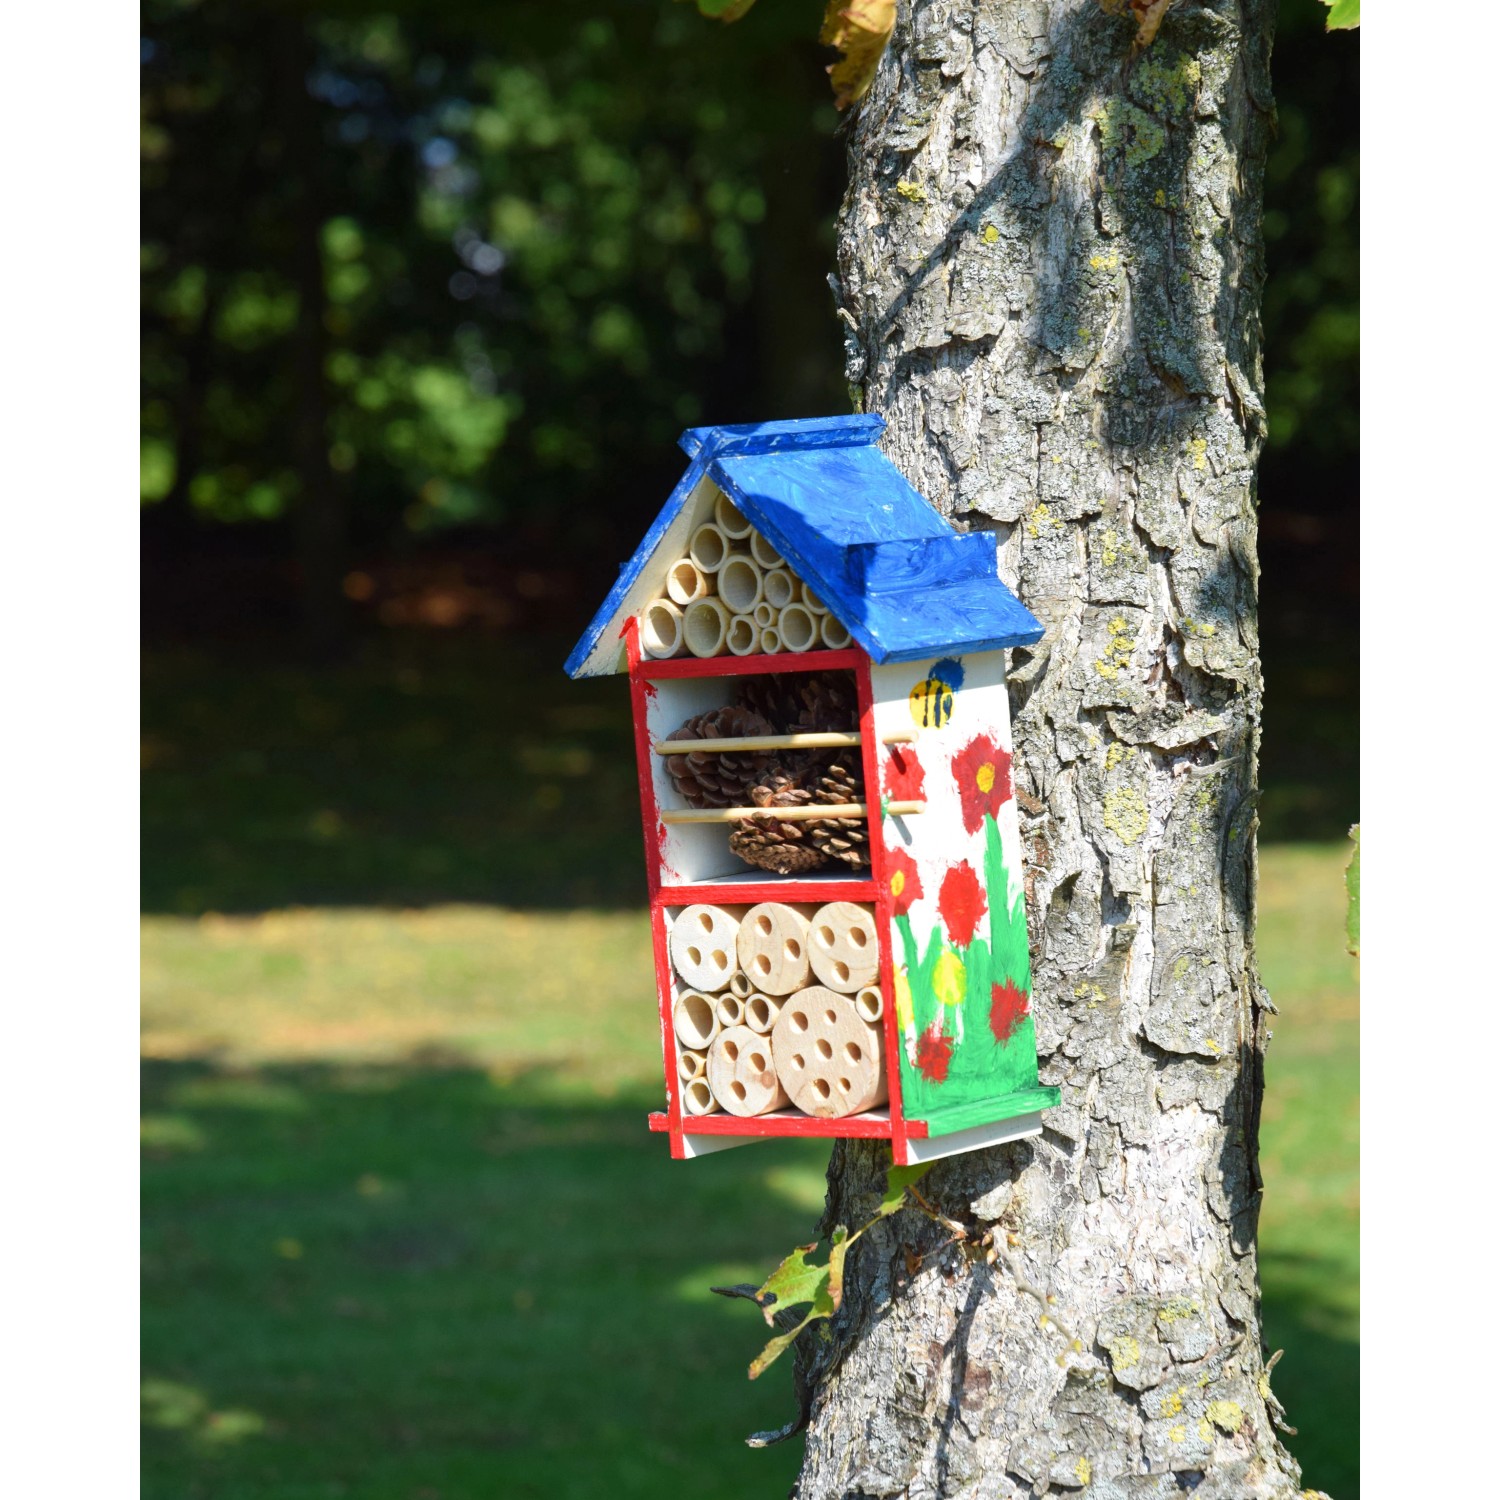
(405, 1233)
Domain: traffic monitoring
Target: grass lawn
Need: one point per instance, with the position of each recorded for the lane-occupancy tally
(405, 1233)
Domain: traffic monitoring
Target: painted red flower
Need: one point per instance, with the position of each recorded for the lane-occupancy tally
(934, 1054)
(906, 883)
(982, 770)
(961, 902)
(1009, 1006)
(905, 780)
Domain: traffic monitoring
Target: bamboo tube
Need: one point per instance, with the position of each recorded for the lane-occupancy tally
(709, 547)
(739, 984)
(786, 814)
(702, 947)
(843, 947)
(763, 552)
(729, 520)
(799, 631)
(770, 641)
(694, 1021)
(780, 589)
(742, 1075)
(698, 1099)
(686, 582)
(661, 629)
(740, 584)
(833, 634)
(772, 947)
(742, 637)
(828, 1060)
(764, 615)
(815, 605)
(870, 1004)
(761, 1012)
(691, 1064)
(704, 627)
(730, 1010)
(833, 739)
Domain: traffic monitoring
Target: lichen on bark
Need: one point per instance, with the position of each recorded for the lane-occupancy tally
(1050, 269)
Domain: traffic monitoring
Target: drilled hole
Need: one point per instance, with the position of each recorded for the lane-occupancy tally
(758, 1061)
(798, 1021)
(845, 1086)
(799, 1062)
(721, 959)
(731, 1051)
(831, 1016)
(858, 936)
(705, 921)
(695, 955)
(738, 1090)
(841, 969)
(853, 1052)
(762, 964)
(763, 925)
(821, 1089)
(824, 1050)
(825, 936)
(793, 948)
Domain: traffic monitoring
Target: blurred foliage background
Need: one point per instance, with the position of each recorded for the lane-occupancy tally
(428, 293)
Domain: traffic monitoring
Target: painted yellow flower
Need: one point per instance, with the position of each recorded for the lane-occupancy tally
(950, 979)
(906, 1017)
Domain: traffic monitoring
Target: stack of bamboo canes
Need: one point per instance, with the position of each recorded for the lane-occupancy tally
(778, 1004)
(733, 593)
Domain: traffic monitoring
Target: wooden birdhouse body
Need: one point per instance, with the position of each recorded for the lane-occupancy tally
(870, 976)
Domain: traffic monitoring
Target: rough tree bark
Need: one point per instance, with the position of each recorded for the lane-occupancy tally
(1050, 267)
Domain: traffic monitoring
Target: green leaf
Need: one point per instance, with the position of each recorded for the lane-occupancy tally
(724, 10)
(1351, 886)
(793, 1281)
(896, 1184)
(1343, 15)
(797, 1280)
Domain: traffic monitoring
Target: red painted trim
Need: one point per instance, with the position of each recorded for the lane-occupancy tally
(752, 666)
(858, 1125)
(651, 824)
(870, 750)
(787, 888)
(851, 1126)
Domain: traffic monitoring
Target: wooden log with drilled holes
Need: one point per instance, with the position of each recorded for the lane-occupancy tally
(772, 947)
(843, 946)
(742, 1075)
(829, 1061)
(702, 947)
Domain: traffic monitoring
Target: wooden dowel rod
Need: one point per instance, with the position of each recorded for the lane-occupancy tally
(784, 814)
(772, 742)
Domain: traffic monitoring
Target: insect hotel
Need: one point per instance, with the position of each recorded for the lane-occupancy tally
(817, 679)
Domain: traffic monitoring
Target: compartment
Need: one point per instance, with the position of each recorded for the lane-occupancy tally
(795, 747)
(756, 1035)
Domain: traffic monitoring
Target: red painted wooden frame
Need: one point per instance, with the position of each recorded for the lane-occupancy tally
(896, 1128)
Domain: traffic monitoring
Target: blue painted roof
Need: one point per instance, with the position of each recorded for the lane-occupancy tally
(903, 583)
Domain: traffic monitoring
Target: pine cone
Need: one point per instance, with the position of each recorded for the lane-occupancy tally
(770, 844)
(719, 778)
(844, 840)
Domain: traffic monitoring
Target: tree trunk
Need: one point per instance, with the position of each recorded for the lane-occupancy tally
(1050, 265)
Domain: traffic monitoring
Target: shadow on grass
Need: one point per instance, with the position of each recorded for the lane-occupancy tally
(420, 1282)
(1317, 1380)
(425, 771)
